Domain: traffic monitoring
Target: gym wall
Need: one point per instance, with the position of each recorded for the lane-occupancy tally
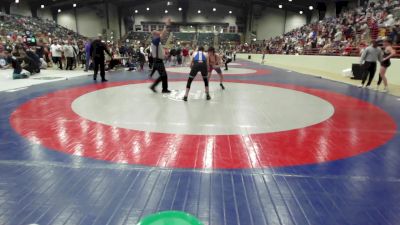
(90, 20)
(156, 13)
(273, 23)
(22, 9)
(45, 14)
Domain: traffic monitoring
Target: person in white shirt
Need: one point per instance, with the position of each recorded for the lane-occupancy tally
(338, 36)
(321, 41)
(389, 21)
(56, 53)
(69, 55)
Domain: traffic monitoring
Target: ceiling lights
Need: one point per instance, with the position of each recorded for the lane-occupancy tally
(199, 11)
(310, 7)
(280, 6)
(301, 12)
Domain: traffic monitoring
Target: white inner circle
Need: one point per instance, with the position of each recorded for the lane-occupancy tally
(231, 70)
(240, 109)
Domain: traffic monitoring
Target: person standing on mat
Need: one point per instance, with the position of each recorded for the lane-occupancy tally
(157, 51)
(214, 62)
(263, 58)
(227, 59)
(198, 64)
(97, 54)
(388, 53)
(369, 57)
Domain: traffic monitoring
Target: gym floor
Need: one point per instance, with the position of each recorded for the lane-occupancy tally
(275, 147)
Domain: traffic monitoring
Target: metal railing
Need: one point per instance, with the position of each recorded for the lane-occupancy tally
(349, 51)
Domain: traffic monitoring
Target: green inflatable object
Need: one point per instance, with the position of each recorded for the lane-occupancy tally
(170, 218)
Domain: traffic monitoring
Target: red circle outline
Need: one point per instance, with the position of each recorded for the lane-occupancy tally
(352, 130)
(259, 72)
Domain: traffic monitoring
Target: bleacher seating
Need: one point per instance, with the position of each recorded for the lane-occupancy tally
(20, 26)
(344, 35)
(205, 39)
(229, 37)
(185, 37)
(138, 36)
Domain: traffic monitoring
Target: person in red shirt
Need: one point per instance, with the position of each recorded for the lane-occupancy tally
(348, 49)
(186, 56)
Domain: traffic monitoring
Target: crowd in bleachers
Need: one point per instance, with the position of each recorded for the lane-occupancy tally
(16, 28)
(191, 39)
(134, 37)
(205, 39)
(183, 38)
(345, 34)
(229, 38)
(30, 44)
(27, 45)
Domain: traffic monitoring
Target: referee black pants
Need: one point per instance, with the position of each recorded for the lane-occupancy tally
(158, 65)
(196, 68)
(226, 63)
(369, 72)
(99, 64)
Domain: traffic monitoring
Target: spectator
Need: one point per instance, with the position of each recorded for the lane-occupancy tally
(82, 56)
(69, 55)
(18, 72)
(33, 62)
(56, 52)
(389, 22)
(186, 56)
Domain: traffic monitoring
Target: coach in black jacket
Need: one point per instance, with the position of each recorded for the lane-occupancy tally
(97, 54)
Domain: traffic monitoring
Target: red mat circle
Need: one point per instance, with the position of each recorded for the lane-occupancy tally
(352, 130)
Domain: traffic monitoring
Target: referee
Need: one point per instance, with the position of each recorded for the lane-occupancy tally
(157, 51)
(198, 64)
(97, 50)
(369, 57)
